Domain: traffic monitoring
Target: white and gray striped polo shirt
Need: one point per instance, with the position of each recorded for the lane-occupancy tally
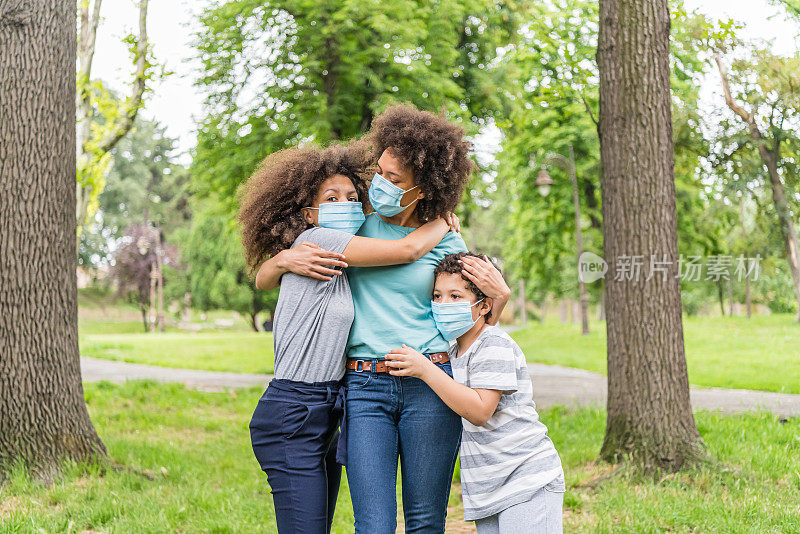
(505, 461)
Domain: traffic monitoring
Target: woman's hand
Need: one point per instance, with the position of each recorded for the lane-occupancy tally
(406, 361)
(452, 221)
(483, 274)
(311, 260)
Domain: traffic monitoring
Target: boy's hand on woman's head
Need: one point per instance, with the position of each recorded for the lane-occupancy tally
(406, 361)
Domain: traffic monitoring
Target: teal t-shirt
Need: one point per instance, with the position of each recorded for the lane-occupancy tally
(393, 304)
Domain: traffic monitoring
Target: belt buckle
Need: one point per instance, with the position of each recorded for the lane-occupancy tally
(359, 366)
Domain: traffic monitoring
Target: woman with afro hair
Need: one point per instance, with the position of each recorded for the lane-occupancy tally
(423, 167)
(300, 209)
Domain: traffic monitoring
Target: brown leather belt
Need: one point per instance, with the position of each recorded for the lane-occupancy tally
(379, 366)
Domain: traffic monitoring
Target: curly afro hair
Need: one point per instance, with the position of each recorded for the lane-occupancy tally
(271, 201)
(449, 264)
(430, 145)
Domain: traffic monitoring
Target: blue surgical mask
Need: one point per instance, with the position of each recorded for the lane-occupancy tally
(453, 319)
(345, 216)
(386, 197)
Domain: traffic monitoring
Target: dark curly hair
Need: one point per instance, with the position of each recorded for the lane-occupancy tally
(449, 264)
(271, 201)
(430, 145)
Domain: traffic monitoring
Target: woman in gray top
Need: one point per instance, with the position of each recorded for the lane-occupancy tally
(308, 200)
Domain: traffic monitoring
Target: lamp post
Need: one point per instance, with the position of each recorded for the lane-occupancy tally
(543, 182)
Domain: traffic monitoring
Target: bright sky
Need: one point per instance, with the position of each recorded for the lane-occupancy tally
(175, 102)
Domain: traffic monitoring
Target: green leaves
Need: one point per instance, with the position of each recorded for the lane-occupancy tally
(292, 71)
(216, 274)
(555, 104)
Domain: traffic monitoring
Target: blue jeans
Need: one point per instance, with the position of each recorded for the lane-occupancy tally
(294, 432)
(390, 417)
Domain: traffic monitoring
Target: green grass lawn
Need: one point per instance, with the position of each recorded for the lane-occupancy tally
(188, 467)
(760, 353)
(241, 352)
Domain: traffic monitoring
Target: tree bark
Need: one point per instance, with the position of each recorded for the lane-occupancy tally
(730, 297)
(650, 421)
(143, 309)
(748, 302)
(43, 416)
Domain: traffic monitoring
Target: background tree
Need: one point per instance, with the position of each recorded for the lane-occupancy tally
(102, 119)
(293, 71)
(144, 185)
(216, 276)
(43, 417)
(555, 78)
(136, 261)
(766, 97)
(650, 420)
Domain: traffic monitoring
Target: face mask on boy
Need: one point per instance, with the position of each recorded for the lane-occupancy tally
(345, 216)
(386, 197)
(453, 319)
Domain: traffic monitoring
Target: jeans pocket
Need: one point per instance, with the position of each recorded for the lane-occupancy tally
(558, 485)
(354, 380)
(293, 419)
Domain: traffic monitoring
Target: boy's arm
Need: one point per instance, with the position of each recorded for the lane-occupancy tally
(370, 252)
(489, 280)
(474, 405)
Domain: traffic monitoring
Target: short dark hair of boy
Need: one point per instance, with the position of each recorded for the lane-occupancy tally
(451, 265)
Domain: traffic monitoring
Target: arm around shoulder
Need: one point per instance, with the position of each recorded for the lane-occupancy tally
(371, 252)
(305, 259)
(270, 272)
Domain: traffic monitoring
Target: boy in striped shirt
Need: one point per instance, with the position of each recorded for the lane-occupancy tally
(511, 475)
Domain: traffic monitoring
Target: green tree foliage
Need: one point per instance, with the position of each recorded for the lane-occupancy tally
(103, 118)
(792, 7)
(279, 73)
(767, 86)
(555, 104)
(215, 275)
(144, 185)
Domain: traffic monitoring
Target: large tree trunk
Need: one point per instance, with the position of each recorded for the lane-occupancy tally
(650, 419)
(43, 417)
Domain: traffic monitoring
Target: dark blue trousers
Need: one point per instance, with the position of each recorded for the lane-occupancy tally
(294, 432)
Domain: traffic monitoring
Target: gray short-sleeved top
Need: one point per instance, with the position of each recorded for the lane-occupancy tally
(313, 318)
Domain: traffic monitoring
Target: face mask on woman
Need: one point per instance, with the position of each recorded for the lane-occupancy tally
(386, 197)
(453, 319)
(345, 216)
